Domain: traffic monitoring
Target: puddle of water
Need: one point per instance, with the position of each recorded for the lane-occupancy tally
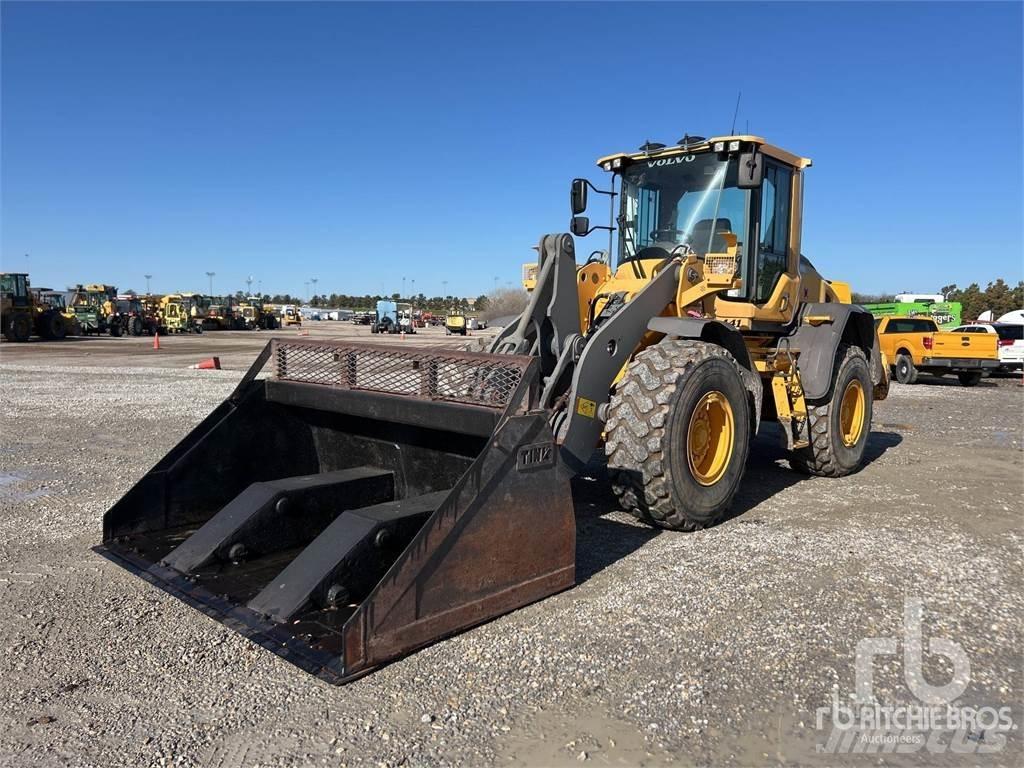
(9, 491)
(9, 478)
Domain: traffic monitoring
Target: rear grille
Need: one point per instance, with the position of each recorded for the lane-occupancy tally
(449, 375)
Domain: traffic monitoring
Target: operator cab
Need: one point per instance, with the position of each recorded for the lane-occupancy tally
(707, 196)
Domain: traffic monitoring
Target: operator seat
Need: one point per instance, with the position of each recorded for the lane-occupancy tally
(702, 234)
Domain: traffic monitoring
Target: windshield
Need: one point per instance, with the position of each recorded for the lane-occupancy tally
(683, 200)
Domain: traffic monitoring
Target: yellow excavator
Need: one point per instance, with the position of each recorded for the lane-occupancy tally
(410, 493)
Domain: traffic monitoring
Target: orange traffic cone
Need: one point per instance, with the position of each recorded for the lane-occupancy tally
(156, 339)
(209, 364)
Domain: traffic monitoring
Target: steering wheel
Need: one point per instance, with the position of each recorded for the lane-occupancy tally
(661, 235)
(683, 249)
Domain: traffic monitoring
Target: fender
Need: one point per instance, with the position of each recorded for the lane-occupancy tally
(724, 335)
(712, 331)
(819, 342)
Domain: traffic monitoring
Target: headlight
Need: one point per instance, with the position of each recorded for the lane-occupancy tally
(734, 146)
(719, 146)
(617, 162)
(607, 166)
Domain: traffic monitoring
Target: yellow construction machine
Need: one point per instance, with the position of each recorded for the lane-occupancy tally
(25, 310)
(455, 322)
(409, 493)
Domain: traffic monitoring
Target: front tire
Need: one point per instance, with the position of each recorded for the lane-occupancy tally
(841, 422)
(20, 328)
(679, 435)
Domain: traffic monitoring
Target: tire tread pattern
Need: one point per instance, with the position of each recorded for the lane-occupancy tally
(637, 426)
(819, 457)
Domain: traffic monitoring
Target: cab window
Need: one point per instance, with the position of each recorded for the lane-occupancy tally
(774, 245)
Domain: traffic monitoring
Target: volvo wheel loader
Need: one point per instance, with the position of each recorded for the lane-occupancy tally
(407, 494)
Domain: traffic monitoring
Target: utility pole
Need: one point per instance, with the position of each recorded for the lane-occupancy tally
(496, 278)
(210, 275)
(445, 284)
(147, 283)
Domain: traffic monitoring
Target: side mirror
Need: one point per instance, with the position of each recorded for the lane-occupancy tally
(578, 196)
(580, 226)
(751, 171)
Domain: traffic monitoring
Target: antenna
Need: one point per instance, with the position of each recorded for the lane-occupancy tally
(732, 131)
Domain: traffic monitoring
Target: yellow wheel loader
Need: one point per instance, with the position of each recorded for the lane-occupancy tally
(407, 493)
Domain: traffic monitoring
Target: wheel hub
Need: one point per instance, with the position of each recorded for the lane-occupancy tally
(710, 437)
(851, 413)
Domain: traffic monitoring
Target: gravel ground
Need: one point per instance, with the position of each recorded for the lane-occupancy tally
(714, 647)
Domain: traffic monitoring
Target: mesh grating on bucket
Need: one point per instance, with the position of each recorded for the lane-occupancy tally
(452, 375)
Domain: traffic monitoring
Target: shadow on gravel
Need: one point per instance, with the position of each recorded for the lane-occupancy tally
(931, 380)
(601, 541)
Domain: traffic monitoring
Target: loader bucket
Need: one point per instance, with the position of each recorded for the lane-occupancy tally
(358, 503)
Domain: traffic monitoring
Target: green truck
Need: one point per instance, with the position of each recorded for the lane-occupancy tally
(946, 314)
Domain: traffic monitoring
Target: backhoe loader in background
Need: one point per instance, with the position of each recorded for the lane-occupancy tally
(407, 494)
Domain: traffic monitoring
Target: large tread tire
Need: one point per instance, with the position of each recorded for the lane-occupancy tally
(827, 455)
(20, 329)
(646, 444)
(904, 369)
(55, 328)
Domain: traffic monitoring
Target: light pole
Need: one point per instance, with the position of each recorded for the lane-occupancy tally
(445, 284)
(412, 290)
(496, 282)
(259, 287)
(314, 280)
(307, 291)
(248, 286)
(147, 283)
(403, 286)
(210, 275)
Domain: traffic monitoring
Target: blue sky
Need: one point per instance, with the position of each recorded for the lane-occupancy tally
(362, 143)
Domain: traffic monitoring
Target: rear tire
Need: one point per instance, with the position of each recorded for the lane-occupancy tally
(969, 378)
(115, 330)
(679, 435)
(840, 423)
(135, 326)
(905, 370)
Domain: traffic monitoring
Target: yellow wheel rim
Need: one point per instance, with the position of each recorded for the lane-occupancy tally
(710, 437)
(851, 413)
